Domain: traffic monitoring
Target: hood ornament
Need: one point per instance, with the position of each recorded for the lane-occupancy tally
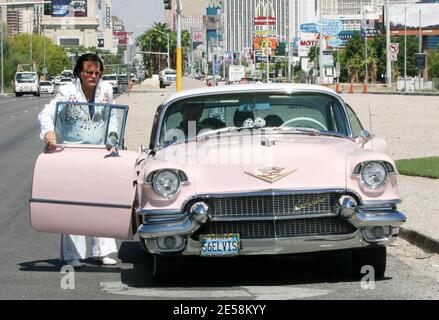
(270, 174)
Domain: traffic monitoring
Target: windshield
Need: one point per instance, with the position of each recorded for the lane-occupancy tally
(311, 112)
(170, 72)
(28, 77)
(109, 78)
(68, 74)
(45, 83)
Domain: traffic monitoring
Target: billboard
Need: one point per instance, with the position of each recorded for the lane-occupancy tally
(263, 42)
(122, 37)
(69, 8)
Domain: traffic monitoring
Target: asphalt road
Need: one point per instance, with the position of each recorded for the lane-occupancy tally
(29, 266)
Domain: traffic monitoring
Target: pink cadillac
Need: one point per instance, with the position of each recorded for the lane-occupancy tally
(237, 170)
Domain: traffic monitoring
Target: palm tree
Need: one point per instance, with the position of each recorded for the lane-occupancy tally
(155, 40)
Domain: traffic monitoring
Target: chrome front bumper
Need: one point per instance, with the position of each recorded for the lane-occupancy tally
(173, 223)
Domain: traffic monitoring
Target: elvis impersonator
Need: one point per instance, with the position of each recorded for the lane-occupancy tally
(81, 125)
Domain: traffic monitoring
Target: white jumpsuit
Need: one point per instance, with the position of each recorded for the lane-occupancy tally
(74, 246)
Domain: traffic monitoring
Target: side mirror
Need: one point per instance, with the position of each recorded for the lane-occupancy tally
(363, 138)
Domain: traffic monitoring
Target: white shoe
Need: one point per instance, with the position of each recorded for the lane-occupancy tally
(108, 261)
(74, 263)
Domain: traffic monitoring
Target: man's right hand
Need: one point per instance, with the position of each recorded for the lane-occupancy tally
(50, 140)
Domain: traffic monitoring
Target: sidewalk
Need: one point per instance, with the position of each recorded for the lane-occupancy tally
(418, 195)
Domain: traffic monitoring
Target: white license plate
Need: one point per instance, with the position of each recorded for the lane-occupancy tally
(220, 245)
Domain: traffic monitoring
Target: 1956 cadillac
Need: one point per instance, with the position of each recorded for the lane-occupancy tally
(265, 169)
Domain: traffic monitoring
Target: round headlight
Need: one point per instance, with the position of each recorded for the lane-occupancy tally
(374, 174)
(166, 183)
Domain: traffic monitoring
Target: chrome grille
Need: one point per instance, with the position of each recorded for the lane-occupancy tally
(267, 229)
(272, 205)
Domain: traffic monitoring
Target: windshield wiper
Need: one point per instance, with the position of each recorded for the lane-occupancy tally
(298, 130)
(228, 129)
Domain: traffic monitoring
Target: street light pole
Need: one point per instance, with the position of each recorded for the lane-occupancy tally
(405, 48)
(179, 57)
(366, 76)
(268, 44)
(420, 47)
(388, 61)
(1, 25)
(167, 35)
(321, 45)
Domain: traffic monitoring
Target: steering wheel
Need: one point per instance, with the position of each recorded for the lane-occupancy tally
(313, 121)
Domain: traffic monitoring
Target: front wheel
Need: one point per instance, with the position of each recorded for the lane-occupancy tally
(374, 257)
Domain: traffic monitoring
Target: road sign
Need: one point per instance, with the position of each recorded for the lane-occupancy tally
(337, 69)
(394, 49)
(420, 60)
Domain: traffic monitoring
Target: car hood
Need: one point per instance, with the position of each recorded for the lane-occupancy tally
(301, 162)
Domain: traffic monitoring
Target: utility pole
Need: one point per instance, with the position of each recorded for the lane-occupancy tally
(388, 60)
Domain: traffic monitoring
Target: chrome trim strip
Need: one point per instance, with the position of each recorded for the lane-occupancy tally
(179, 228)
(273, 218)
(81, 203)
(379, 203)
(391, 218)
(268, 192)
(287, 246)
(159, 213)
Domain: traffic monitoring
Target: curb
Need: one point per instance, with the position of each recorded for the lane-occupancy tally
(406, 93)
(426, 243)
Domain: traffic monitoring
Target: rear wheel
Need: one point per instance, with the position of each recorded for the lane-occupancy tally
(374, 257)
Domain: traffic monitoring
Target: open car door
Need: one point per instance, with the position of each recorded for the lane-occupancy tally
(85, 186)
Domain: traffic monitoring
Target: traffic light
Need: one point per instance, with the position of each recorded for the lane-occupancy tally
(168, 4)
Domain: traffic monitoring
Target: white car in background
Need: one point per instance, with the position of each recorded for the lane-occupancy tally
(57, 80)
(65, 80)
(47, 87)
(113, 80)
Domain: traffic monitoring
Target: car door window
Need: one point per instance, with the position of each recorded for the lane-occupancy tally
(74, 125)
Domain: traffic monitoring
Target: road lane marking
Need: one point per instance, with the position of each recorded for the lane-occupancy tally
(245, 292)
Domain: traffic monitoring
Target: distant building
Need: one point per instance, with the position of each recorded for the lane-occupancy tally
(22, 18)
(72, 25)
(192, 15)
(239, 21)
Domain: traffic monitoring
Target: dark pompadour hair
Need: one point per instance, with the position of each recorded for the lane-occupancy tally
(87, 57)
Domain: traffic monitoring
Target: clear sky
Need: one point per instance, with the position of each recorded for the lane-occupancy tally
(138, 15)
(429, 14)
